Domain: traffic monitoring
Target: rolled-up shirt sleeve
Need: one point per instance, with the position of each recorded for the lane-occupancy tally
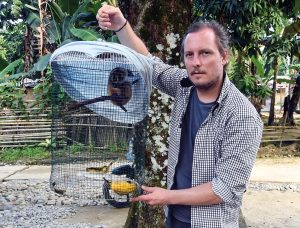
(237, 157)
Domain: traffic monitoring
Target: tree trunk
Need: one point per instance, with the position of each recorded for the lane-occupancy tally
(272, 107)
(28, 50)
(293, 103)
(156, 22)
(257, 103)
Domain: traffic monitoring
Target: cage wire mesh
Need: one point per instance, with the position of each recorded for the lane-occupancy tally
(99, 109)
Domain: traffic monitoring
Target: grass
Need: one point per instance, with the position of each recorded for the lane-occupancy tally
(117, 147)
(26, 154)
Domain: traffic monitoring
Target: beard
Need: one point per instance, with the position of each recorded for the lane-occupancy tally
(205, 86)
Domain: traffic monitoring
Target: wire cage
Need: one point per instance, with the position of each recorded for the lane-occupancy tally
(99, 111)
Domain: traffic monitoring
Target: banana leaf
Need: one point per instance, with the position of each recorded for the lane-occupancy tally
(56, 11)
(86, 34)
(259, 66)
(10, 68)
(33, 20)
(54, 32)
(68, 6)
(41, 64)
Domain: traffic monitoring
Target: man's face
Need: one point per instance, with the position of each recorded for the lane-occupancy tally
(203, 60)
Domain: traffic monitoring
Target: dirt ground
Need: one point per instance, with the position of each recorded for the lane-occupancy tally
(271, 209)
(285, 150)
(100, 216)
(274, 208)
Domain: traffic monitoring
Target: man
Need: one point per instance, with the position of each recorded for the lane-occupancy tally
(215, 132)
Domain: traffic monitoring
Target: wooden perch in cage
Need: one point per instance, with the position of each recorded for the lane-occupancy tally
(116, 99)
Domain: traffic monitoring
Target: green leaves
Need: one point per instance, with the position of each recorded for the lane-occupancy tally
(53, 32)
(33, 20)
(262, 91)
(16, 7)
(69, 6)
(80, 9)
(296, 7)
(66, 21)
(42, 63)
(277, 47)
(86, 34)
(259, 66)
(248, 83)
(113, 39)
(56, 11)
(64, 27)
(11, 96)
(4, 74)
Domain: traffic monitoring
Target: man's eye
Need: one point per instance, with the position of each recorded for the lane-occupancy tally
(188, 54)
(205, 53)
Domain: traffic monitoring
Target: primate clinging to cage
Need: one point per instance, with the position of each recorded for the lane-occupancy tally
(118, 89)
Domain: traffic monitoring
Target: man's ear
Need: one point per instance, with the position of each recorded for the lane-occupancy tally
(225, 57)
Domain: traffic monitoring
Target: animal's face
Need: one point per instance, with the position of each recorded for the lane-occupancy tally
(118, 76)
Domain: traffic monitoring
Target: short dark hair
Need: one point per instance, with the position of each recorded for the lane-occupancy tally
(222, 36)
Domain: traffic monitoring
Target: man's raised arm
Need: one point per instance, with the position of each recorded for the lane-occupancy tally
(111, 18)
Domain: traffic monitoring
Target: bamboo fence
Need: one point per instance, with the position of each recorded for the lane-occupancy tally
(29, 130)
(18, 130)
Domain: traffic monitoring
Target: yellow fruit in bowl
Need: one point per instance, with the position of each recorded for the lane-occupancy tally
(123, 187)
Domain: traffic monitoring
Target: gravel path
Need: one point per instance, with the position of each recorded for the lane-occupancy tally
(282, 187)
(31, 203)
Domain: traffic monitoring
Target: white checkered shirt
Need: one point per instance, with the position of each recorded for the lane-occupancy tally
(225, 146)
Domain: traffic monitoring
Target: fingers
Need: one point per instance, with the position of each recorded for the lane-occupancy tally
(149, 199)
(145, 197)
(147, 189)
(142, 198)
(104, 15)
(103, 19)
(150, 196)
(110, 17)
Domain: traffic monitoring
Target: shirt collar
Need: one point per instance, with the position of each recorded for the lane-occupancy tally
(224, 89)
(223, 94)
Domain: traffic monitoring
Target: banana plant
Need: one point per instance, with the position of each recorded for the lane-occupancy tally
(263, 77)
(65, 25)
(67, 21)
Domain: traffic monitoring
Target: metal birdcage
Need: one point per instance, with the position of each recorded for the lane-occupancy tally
(99, 110)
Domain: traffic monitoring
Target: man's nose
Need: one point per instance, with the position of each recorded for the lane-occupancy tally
(196, 61)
